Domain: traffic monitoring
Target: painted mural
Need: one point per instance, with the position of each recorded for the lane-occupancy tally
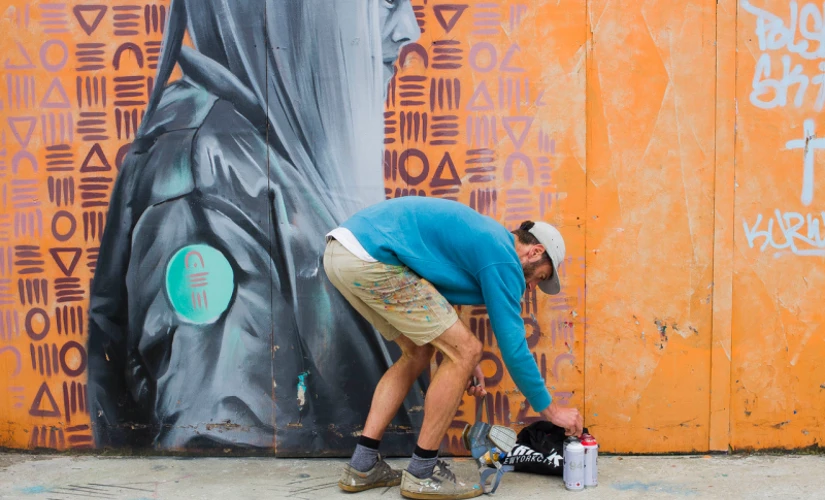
(168, 292)
(212, 322)
(168, 170)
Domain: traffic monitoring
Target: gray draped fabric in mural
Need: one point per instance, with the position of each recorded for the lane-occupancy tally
(271, 139)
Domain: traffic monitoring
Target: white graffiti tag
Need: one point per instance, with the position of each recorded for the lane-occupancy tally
(791, 43)
(790, 231)
(809, 144)
(803, 36)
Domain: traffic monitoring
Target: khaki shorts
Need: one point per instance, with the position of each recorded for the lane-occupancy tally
(393, 298)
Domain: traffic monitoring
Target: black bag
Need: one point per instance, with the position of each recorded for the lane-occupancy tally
(539, 450)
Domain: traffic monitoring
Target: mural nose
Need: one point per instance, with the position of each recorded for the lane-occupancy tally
(406, 28)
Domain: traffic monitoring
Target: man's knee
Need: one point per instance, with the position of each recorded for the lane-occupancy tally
(459, 345)
(474, 351)
(470, 352)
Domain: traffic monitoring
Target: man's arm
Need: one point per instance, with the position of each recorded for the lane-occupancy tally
(503, 286)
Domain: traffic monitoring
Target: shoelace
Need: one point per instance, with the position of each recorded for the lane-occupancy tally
(444, 470)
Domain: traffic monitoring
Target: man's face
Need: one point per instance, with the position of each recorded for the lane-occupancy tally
(536, 268)
(398, 28)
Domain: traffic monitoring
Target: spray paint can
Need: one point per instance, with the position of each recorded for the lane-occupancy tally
(573, 465)
(591, 456)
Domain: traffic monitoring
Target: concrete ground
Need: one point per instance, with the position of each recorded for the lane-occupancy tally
(71, 478)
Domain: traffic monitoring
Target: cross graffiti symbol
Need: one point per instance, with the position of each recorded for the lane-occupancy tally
(809, 144)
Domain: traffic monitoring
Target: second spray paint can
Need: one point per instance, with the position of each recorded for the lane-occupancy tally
(591, 456)
(573, 465)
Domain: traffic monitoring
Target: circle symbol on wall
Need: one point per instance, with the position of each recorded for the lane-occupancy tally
(404, 166)
(37, 319)
(75, 365)
(200, 284)
(63, 231)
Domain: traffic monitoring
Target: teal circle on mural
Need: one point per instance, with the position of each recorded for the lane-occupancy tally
(199, 283)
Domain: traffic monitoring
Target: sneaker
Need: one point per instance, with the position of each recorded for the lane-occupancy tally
(380, 476)
(442, 485)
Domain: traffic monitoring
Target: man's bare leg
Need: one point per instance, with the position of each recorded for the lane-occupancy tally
(462, 353)
(395, 385)
(387, 399)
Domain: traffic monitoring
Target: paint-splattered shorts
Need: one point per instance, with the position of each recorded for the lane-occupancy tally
(393, 298)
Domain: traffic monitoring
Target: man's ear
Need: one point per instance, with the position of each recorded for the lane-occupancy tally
(537, 251)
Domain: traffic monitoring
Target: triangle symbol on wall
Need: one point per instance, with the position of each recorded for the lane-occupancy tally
(480, 100)
(507, 62)
(26, 57)
(438, 178)
(456, 11)
(63, 255)
(36, 409)
(62, 99)
(509, 121)
(81, 12)
(24, 138)
(96, 161)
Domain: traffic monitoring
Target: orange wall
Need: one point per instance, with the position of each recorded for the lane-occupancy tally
(650, 223)
(777, 378)
(649, 132)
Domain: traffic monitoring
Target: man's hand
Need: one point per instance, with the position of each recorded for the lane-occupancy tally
(476, 389)
(567, 418)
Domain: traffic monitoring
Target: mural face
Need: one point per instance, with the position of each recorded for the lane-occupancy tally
(398, 28)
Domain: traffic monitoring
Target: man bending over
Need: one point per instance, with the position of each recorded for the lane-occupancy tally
(403, 264)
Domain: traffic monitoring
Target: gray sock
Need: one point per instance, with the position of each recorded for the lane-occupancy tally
(364, 458)
(422, 468)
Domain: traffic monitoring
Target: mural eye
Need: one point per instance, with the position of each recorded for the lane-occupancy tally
(392, 3)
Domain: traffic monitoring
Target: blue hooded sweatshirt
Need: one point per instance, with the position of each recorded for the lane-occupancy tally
(470, 259)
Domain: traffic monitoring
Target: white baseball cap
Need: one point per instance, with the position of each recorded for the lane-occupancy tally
(553, 242)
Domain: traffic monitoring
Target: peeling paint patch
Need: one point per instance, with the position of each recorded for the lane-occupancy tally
(662, 327)
(781, 424)
(227, 425)
(302, 388)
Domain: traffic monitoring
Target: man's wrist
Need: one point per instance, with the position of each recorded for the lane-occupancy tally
(549, 412)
